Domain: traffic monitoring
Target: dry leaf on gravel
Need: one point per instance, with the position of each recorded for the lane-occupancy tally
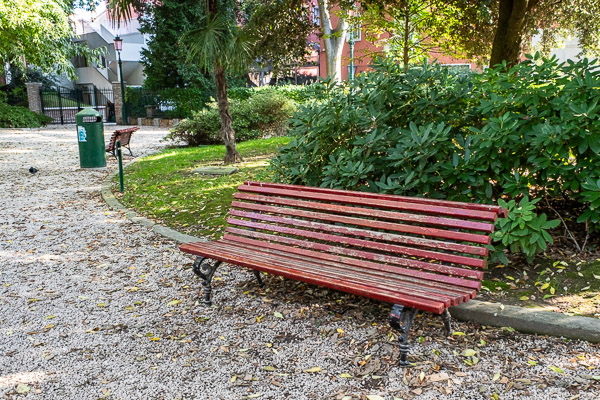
(22, 388)
(312, 370)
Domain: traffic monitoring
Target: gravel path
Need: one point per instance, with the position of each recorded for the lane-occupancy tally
(95, 307)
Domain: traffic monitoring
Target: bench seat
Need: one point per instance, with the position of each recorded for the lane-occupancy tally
(418, 254)
(389, 283)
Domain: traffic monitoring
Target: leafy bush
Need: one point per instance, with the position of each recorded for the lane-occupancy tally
(240, 93)
(532, 130)
(202, 128)
(297, 93)
(20, 117)
(522, 230)
(264, 113)
(168, 103)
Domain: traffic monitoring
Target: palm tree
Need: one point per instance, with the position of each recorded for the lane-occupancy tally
(221, 45)
(226, 48)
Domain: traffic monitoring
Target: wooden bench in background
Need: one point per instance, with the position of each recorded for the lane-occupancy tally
(124, 135)
(416, 253)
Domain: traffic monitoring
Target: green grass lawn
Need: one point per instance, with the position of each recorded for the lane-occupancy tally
(51, 100)
(164, 188)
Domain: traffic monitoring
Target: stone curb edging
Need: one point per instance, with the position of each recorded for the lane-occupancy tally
(522, 319)
(529, 320)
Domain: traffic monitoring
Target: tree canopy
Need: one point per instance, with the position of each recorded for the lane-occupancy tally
(281, 28)
(38, 33)
(163, 58)
(491, 31)
(504, 27)
(415, 29)
(518, 20)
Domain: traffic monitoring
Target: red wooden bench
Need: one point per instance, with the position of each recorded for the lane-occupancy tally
(124, 135)
(416, 253)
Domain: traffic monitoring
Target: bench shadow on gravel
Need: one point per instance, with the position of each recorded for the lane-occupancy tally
(325, 305)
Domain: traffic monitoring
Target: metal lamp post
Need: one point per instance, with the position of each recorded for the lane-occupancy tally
(351, 54)
(351, 14)
(118, 47)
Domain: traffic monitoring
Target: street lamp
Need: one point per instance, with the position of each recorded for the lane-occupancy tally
(351, 53)
(118, 47)
(351, 14)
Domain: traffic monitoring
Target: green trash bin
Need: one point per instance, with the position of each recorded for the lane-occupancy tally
(90, 135)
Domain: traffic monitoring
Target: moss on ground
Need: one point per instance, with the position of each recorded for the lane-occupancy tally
(569, 286)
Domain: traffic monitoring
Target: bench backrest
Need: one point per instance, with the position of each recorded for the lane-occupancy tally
(441, 241)
(112, 142)
(124, 135)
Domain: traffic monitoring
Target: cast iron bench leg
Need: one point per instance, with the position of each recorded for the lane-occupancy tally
(206, 270)
(446, 318)
(401, 319)
(259, 279)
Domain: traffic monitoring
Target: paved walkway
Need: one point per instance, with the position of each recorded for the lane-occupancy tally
(95, 307)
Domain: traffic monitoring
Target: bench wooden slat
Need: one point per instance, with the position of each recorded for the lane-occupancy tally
(342, 273)
(405, 262)
(383, 204)
(450, 284)
(345, 230)
(410, 251)
(123, 135)
(368, 223)
(366, 291)
(448, 203)
(370, 212)
(416, 253)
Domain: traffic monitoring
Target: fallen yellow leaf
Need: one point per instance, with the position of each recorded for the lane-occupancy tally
(313, 369)
(22, 388)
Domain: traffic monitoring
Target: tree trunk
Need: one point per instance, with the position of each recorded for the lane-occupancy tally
(405, 53)
(334, 41)
(227, 132)
(512, 15)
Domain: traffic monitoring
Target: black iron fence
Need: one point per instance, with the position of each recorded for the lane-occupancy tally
(62, 104)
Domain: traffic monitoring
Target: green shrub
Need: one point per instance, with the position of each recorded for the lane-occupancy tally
(20, 117)
(264, 113)
(532, 130)
(167, 103)
(297, 93)
(202, 128)
(240, 93)
(522, 230)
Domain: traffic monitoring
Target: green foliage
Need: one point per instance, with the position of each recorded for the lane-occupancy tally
(264, 113)
(201, 129)
(522, 230)
(168, 103)
(19, 117)
(16, 90)
(38, 33)
(297, 93)
(410, 30)
(533, 130)
(163, 58)
(281, 28)
(590, 193)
